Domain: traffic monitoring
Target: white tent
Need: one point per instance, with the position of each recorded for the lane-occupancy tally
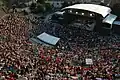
(110, 19)
(103, 10)
(116, 22)
(48, 38)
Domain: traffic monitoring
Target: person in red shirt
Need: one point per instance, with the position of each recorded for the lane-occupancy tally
(58, 60)
(48, 58)
(12, 75)
(42, 56)
(11, 78)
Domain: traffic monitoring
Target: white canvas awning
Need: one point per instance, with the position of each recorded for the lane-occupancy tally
(110, 19)
(103, 10)
(48, 38)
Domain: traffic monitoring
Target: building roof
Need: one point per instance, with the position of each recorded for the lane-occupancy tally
(103, 10)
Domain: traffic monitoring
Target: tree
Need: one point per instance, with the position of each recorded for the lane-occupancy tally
(10, 3)
(39, 8)
(41, 1)
(3, 2)
(113, 2)
(116, 9)
(33, 6)
(48, 6)
(65, 4)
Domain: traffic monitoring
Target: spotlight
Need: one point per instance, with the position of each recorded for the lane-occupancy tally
(82, 13)
(76, 12)
(91, 14)
(70, 11)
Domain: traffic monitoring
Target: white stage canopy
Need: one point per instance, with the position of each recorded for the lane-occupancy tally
(48, 38)
(60, 13)
(103, 10)
(110, 19)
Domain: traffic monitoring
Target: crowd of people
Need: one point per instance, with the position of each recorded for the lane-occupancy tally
(23, 60)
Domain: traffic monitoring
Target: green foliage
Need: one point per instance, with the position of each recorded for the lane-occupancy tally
(38, 9)
(3, 2)
(40, 6)
(116, 9)
(48, 6)
(65, 4)
(41, 1)
(33, 6)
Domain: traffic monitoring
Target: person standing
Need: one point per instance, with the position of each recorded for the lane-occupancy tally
(13, 8)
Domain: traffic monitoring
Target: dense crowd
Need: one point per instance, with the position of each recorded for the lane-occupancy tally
(103, 50)
(22, 60)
